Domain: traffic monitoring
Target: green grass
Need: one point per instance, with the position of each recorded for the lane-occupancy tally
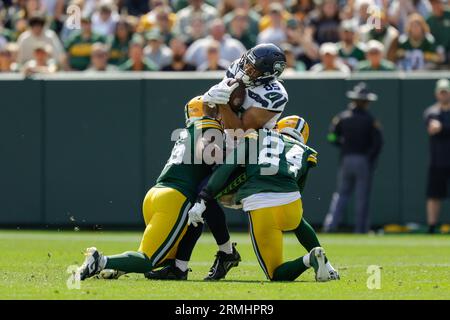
(33, 265)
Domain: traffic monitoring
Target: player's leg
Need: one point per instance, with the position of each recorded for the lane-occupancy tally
(165, 210)
(267, 239)
(309, 240)
(227, 256)
(177, 269)
(287, 219)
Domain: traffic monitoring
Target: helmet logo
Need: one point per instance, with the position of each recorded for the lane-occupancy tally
(279, 66)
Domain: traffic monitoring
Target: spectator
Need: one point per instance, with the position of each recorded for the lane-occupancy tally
(42, 63)
(303, 46)
(7, 59)
(230, 49)
(163, 23)
(400, 10)
(239, 29)
(301, 9)
(37, 33)
(437, 119)
(358, 135)
(417, 48)
(118, 43)
(325, 22)
(292, 65)
(99, 59)
(374, 58)
(156, 50)
(213, 62)
(197, 30)
(350, 50)
(252, 16)
(265, 11)
(178, 47)
(361, 11)
(384, 32)
(439, 22)
(329, 59)
(275, 33)
(79, 45)
(137, 60)
(104, 19)
(135, 7)
(197, 8)
(150, 19)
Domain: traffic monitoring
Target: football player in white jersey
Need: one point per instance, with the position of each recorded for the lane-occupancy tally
(259, 69)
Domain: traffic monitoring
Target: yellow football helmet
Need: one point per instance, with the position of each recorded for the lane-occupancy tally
(194, 108)
(294, 126)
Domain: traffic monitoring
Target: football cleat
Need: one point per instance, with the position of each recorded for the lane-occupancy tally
(223, 263)
(317, 261)
(110, 274)
(92, 263)
(334, 275)
(168, 272)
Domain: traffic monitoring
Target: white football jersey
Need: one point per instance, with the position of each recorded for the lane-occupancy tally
(271, 96)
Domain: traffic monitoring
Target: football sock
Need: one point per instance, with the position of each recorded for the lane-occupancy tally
(182, 265)
(289, 271)
(188, 242)
(130, 261)
(215, 218)
(226, 247)
(307, 236)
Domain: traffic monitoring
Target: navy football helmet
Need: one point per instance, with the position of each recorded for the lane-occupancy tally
(261, 64)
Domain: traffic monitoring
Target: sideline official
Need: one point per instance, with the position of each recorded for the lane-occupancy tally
(356, 132)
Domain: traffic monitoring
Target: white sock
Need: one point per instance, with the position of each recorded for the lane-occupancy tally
(102, 263)
(226, 247)
(182, 265)
(329, 266)
(306, 260)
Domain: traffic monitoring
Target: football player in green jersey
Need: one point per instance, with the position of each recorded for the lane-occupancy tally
(276, 166)
(166, 205)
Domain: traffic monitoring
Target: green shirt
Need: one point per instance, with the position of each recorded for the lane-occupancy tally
(118, 53)
(385, 65)
(148, 65)
(440, 29)
(79, 49)
(352, 57)
(183, 171)
(270, 162)
(414, 57)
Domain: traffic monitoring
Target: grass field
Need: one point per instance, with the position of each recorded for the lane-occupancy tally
(33, 265)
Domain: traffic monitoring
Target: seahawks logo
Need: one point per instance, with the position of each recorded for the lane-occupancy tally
(279, 66)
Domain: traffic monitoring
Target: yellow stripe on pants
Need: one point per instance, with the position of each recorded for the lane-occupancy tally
(165, 213)
(266, 230)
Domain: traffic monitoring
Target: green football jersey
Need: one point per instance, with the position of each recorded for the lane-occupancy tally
(272, 162)
(184, 171)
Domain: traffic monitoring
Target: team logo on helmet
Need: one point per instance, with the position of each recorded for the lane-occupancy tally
(279, 66)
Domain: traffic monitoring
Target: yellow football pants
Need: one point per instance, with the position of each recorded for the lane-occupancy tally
(165, 213)
(266, 230)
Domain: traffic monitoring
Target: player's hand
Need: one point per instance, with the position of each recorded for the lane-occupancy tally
(434, 127)
(219, 93)
(195, 213)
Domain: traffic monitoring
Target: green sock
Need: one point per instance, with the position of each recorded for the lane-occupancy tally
(307, 236)
(289, 271)
(130, 261)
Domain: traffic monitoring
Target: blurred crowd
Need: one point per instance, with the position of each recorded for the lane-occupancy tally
(187, 35)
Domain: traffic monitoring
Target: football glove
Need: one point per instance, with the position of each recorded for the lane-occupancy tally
(195, 213)
(219, 93)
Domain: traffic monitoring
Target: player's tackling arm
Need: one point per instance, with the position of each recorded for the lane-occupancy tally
(252, 118)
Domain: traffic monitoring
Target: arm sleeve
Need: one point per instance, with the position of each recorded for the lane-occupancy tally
(219, 178)
(334, 132)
